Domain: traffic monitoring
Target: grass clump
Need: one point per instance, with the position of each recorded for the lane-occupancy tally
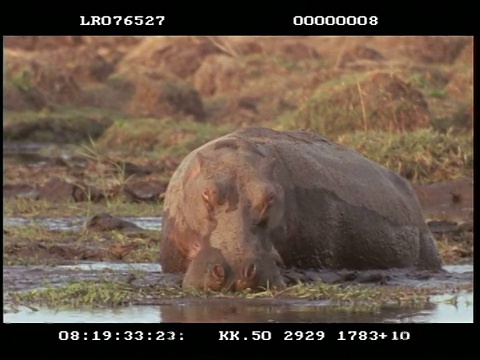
(107, 293)
(61, 125)
(28, 207)
(360, 101)
(421, 156)
(97, 294)
(165, 137)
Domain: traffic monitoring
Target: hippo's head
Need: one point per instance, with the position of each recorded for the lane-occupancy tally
(234, 192)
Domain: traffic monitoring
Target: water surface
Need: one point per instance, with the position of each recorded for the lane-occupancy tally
(313, 312)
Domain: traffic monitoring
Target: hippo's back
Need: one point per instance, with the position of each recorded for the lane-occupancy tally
(312, 161)
(345, 209)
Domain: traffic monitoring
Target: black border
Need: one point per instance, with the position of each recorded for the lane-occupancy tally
(395, 18)
(399, 19)
(203, 339)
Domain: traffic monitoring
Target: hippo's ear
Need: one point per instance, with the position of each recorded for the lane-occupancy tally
(198, 162)
(226, 143)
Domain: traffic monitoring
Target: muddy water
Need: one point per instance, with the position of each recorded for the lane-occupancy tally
(77, 223)
(28, 153)
(21, 278)
(440, 309)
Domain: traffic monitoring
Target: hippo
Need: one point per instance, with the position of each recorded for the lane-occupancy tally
(269, 200)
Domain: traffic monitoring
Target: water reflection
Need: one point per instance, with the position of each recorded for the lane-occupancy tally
(242, 312)
(100, 266)
(134, 314)
(432, 313)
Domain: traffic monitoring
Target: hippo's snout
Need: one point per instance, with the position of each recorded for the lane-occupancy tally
(257, 275)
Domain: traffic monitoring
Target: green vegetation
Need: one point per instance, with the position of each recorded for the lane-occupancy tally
(22, 80)
(377, 100)
(109, 293)
(58, 126)
(165, 137)
(322, 112)
(28, 207)
(79, 294)
(421, 156)
(452, 121)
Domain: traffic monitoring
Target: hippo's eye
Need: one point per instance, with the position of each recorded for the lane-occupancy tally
(270, 198)
(207, 198)
(261, 211)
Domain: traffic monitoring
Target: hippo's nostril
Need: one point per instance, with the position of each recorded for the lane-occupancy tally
(249, 271)
(248, 277)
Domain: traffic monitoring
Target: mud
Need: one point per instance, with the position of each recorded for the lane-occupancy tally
(106, 222)
(62, 173)
(24, 278)
(21, 278)
(447, 200)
